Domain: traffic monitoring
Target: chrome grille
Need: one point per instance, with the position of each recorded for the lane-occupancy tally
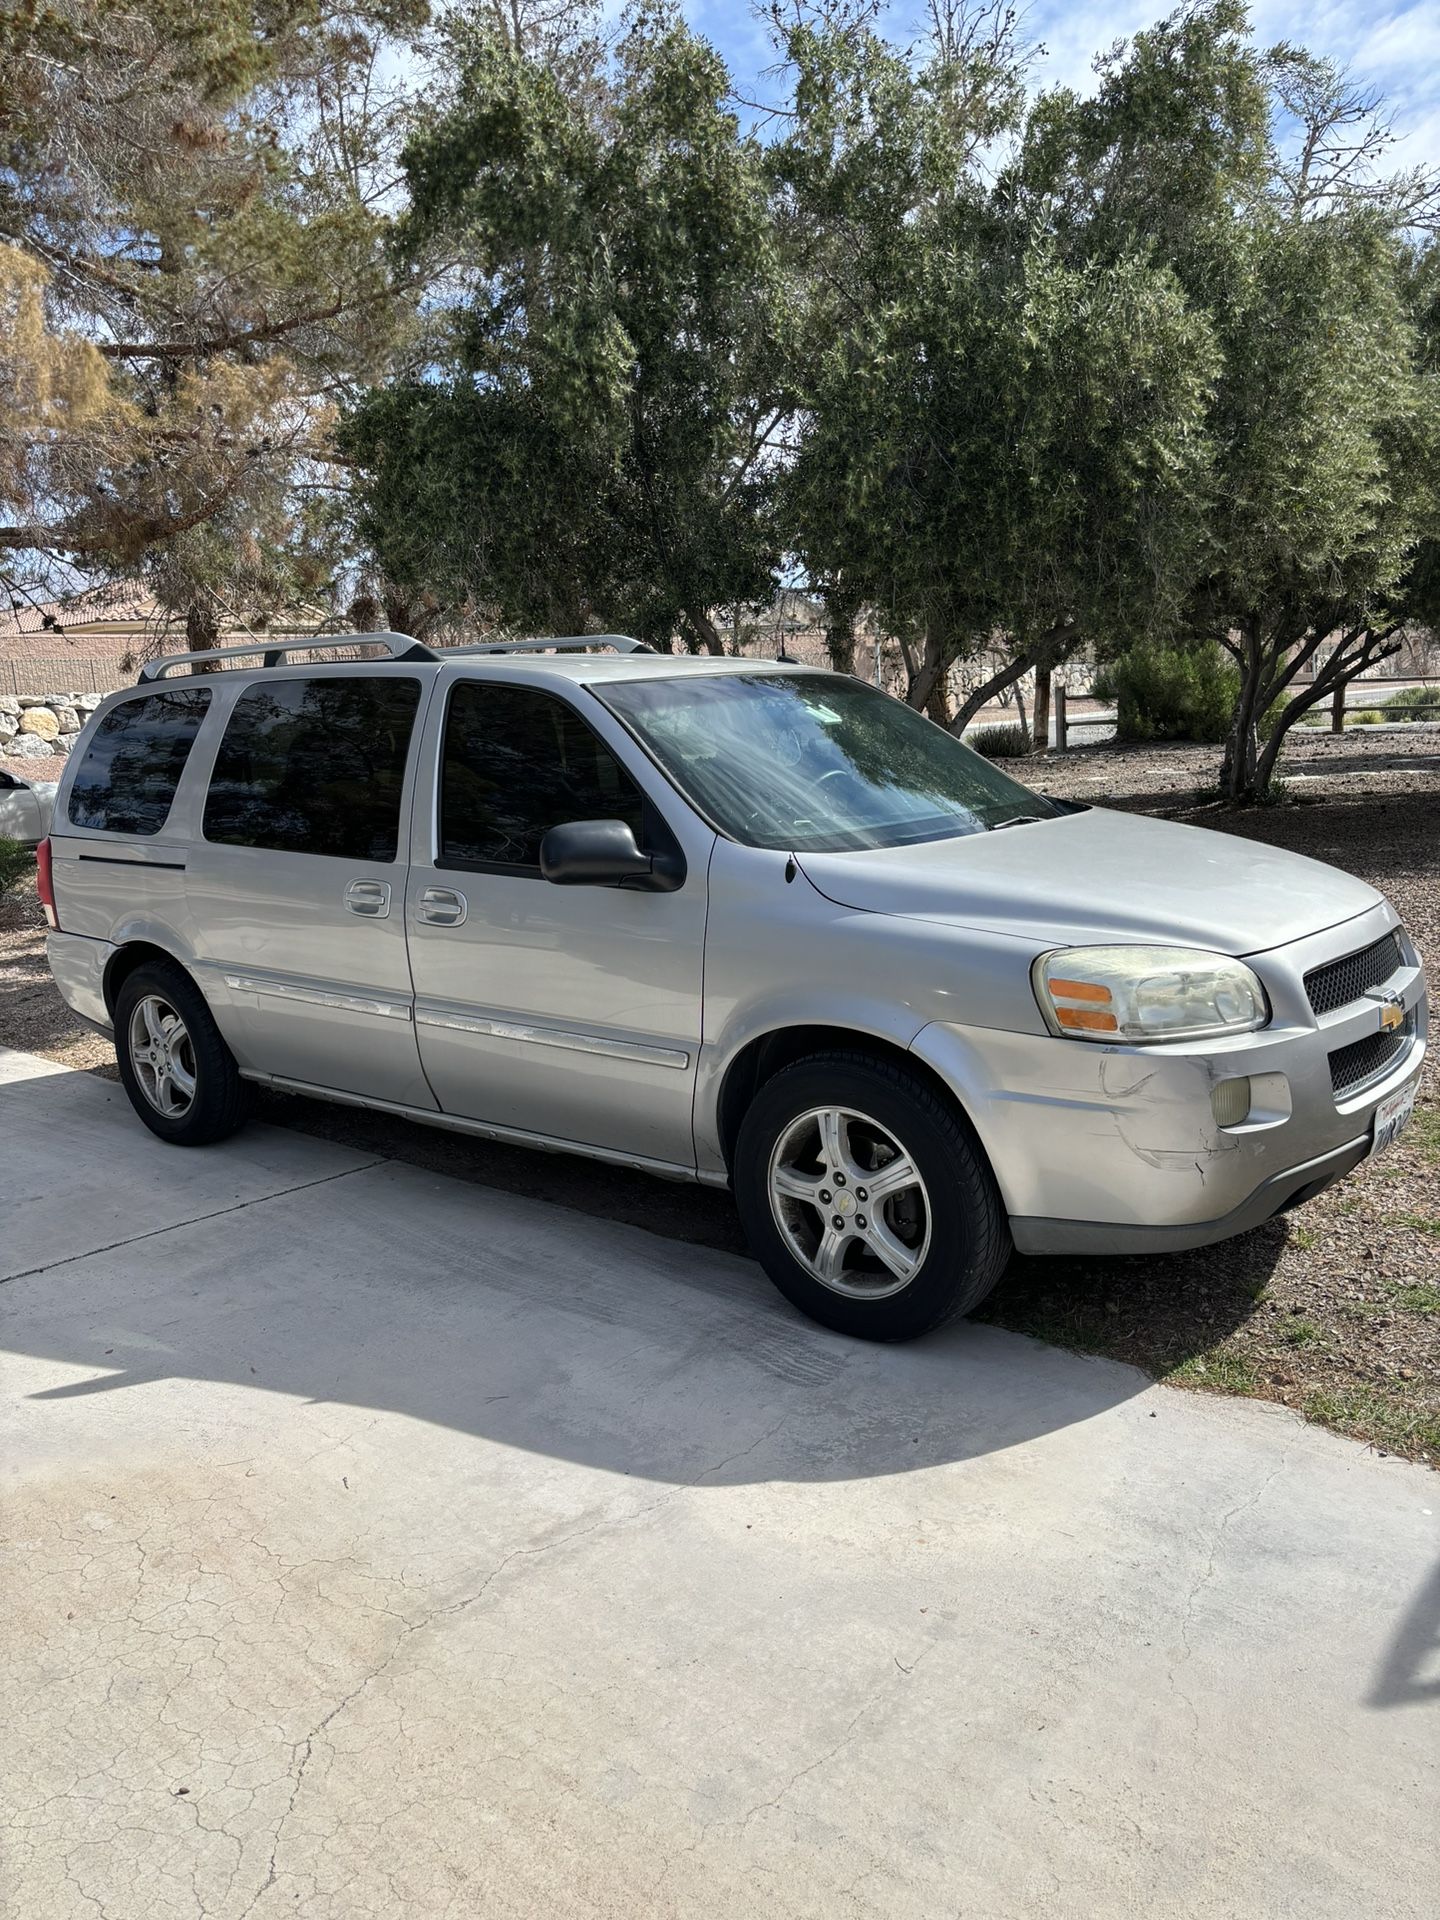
(1339, 982)
(1365, 1060)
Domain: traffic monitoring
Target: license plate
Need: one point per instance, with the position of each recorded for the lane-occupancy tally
(1390, 1118)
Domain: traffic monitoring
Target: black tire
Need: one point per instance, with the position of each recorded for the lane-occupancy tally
(221, 1099)
(969, 1243)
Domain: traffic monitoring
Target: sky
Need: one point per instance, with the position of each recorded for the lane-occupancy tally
(1394, 47)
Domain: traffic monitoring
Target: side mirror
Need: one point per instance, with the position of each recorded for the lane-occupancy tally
(603, 853)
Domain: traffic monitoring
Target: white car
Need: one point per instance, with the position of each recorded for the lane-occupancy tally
(25, 808)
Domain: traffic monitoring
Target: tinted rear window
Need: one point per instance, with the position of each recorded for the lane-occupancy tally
(315, 766)
(134, 759)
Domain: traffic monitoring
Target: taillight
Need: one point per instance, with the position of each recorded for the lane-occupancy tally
(45, 883)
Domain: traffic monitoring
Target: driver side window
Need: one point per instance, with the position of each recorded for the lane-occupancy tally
(515, 763)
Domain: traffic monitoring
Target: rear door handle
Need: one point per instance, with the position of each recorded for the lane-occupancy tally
(443, 907)
(370, 898)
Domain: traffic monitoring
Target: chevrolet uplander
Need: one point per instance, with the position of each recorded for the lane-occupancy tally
(727, 920)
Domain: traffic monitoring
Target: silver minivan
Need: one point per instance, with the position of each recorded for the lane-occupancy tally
(726, 920)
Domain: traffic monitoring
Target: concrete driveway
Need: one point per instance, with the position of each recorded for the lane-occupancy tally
(378, 1545)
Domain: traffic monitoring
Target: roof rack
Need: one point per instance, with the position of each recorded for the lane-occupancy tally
(399, 646)
(561, 643)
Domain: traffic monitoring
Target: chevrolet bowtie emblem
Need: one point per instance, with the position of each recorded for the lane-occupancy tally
(1392, 1013)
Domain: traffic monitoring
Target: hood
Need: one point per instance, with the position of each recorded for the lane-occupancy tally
(1099, 876)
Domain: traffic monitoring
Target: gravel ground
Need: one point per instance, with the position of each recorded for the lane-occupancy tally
(1334, 1311)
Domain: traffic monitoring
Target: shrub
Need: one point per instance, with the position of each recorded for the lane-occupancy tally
(15, 862)
(1000, 743)
(1170, 693)
(1366, 717)
(1413, 703)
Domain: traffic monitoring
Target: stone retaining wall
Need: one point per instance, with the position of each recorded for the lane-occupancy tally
(43, 726)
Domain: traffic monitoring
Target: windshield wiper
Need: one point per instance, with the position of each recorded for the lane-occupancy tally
(1021, 820)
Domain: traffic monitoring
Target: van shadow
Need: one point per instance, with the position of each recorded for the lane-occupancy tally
(1156, 1311)
(380, 1286)
(1409, 1674)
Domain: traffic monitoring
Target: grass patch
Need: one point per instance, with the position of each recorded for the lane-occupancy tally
(1296, 1331)
(1424, 1130)
(1419, 1223)
(1217, 1371)
(1303, 1237)
(1392, 1420)
(1415, 1296)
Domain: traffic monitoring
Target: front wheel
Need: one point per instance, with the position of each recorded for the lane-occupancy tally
(867, 1199)
(180, 1075)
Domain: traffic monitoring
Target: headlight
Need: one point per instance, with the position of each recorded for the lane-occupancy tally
(1142, 994)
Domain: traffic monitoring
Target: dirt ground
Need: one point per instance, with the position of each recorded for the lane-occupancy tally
(1334, 1310)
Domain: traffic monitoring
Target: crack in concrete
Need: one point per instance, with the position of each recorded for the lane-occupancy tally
(1207, 1574)
(177, 1226)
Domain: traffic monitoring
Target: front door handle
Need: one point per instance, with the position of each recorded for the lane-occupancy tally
(443, 907)
(370, 898)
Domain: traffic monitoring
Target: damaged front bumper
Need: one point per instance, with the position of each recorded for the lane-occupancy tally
(1101, 1149)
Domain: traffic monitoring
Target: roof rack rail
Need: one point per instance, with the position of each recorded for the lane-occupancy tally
(562, 643)
(399, 646)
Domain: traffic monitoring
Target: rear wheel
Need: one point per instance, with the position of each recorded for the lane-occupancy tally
(867, 1199)
(180, 1075)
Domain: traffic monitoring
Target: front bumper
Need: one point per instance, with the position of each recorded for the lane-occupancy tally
(1102, 1149)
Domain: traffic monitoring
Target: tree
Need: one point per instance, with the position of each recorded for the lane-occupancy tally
(592, 444)
(1294, 252)
(197, 198)
(1329, 457)
(998, 446)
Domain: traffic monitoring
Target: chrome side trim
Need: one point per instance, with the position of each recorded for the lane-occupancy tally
(317, 997)
(485, 1129)
(635, 1050)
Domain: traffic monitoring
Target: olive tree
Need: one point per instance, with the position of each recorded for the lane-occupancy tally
(590, 443)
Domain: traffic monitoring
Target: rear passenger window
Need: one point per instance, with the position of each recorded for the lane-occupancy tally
(133, 762)
(517, 763)
(315, 766)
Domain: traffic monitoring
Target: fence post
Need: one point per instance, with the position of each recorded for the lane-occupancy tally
(1337, 709)
(1060, 717)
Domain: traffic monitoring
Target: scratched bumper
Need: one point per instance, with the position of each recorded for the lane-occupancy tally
(1116, 1149)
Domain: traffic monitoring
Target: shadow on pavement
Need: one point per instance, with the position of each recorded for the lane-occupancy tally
(1410, 1673)
(381, 1286)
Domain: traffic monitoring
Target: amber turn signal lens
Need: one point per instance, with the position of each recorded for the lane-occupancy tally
(1080, 990)
(1090, 1019)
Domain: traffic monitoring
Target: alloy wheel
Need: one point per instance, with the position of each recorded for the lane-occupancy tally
(163, 1056)
(848, 1198)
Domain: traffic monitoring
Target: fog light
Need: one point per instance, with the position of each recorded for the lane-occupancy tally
(1230, 1102)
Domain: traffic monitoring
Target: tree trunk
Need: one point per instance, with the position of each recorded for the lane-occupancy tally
(934, 665)
(840, 612)
(999, 682)
(202, 632)
(1040, 735)
(1242, 747)
(705, 630)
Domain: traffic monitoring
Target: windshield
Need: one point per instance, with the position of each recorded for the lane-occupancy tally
(816, 762)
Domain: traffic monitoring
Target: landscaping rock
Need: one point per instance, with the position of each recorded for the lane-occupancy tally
(28, 746)
(69, 719)
(39, 721)
(9, 725)
(9, 704)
